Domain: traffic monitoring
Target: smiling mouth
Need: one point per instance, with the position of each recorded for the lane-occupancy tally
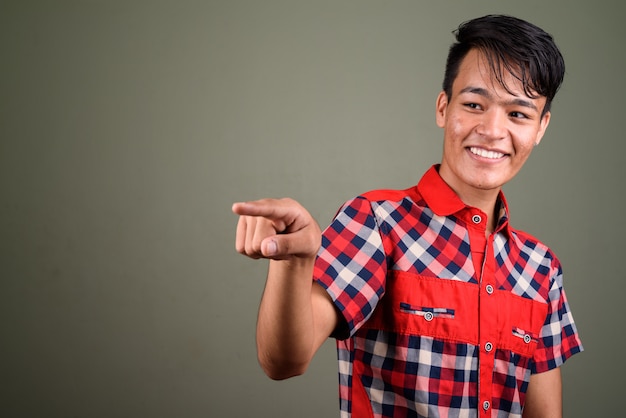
(492, 155)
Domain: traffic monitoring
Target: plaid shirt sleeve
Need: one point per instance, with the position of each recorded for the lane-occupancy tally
(559, 338)
(351, 264)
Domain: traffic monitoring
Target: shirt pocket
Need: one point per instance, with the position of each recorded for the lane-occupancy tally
(413, 304)
(521, 320)
(429, 313)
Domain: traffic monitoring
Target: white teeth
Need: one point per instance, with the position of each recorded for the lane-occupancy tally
(486, 154)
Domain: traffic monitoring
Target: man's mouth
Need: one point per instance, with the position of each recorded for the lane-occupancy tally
(492, 155)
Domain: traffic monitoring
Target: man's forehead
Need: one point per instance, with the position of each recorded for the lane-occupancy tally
(476, 72)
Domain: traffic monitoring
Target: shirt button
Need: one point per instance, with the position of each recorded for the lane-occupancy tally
(486, 405)
(489, 289)
(488, 347)
(476, 219)
(527, 338)
(428, 316)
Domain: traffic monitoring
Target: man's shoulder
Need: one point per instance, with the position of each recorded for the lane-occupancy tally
(532, 243)
(393, 195)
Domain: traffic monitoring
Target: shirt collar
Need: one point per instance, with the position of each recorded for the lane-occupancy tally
(444, 201)
(437, 194)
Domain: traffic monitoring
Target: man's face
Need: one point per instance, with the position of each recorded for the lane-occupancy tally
(488, 132)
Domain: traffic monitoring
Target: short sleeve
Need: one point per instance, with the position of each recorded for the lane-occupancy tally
(351, 264)
(559, 338)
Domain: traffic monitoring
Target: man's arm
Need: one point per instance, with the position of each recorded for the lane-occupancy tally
(544, 397)
(296, 315)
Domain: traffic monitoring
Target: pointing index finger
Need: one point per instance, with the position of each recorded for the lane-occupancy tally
(267, 208)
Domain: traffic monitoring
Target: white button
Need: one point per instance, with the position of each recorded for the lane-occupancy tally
(488, 347)
(489, 289)
(428, 316)
(476, 219)
(486, 405)
(527, 338)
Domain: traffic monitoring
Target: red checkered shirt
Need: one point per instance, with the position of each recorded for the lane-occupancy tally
(440, 320)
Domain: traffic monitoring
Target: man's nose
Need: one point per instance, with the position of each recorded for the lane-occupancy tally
(493, 124)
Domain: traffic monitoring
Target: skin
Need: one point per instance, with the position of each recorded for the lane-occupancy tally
(543, 397)
(296, 315)
(482, 115)
(489, 134)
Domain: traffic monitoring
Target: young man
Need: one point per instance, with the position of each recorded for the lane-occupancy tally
(439, 306)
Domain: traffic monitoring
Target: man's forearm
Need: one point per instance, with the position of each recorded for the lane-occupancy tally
(285, 327)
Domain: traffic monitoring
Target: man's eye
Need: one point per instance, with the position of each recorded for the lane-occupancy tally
(472, 105)
(519, 115)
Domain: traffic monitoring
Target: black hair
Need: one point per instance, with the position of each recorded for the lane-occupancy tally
(513, 45)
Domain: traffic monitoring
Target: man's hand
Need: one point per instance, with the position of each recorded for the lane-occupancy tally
(277, 229)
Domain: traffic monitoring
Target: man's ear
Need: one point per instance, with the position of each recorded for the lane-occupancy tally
(543, 125)
(441, 108)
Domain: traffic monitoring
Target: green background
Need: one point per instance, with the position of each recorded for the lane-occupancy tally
(128, 128)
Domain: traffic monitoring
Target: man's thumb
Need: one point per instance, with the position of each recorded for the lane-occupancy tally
(283, 246)
(269, 247)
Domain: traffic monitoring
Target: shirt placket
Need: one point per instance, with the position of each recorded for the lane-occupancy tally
(487, 315)
(487, 331)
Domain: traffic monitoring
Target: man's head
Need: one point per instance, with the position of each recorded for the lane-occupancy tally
(500, 78)
(510, 45)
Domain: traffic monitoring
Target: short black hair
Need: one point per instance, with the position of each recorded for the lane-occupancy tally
(513, 45)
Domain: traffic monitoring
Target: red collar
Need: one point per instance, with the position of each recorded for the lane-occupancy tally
(444, 201)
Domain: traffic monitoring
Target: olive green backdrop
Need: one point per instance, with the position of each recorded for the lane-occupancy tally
(127, 129)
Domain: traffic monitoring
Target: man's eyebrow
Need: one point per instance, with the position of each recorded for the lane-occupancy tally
(486, 94)
(477, 90)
